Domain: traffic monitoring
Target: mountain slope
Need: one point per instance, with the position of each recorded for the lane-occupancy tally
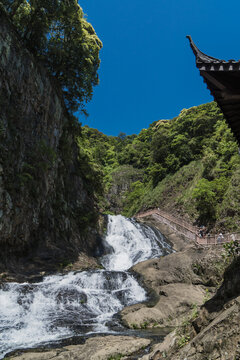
(188, 165)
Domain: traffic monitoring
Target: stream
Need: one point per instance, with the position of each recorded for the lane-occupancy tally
(80, 303)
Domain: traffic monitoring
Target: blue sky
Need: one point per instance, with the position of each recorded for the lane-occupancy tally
(147, 69)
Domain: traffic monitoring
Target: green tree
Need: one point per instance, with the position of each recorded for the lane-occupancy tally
(160, 143)
(57, 32)
(206, 200)
(133, 198)
(156, 173)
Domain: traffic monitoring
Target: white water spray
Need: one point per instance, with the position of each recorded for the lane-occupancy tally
(131, 243)
(62, 306)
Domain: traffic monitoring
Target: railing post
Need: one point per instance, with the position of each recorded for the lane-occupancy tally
(187, 229)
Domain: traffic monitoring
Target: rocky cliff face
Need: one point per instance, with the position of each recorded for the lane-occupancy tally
(46, 208)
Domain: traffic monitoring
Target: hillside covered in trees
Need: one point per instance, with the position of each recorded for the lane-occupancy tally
(188, 166)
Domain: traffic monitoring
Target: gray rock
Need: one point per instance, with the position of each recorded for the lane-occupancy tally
(96, 348)
(45, 202)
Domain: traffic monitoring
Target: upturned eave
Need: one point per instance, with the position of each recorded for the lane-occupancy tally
(223, 80)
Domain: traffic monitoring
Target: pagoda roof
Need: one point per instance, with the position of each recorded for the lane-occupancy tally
(223, 80)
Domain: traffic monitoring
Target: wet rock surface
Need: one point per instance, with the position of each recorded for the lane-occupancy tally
(178, 242)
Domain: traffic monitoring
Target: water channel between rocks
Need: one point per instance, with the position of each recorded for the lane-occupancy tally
(81, 303)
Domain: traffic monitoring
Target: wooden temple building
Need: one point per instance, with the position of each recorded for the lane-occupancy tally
(223, 80)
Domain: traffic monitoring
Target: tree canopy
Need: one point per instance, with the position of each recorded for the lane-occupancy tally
(189, 164)
(57, 32)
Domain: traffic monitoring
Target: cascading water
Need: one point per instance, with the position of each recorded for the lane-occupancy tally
(62, 306)
(131, 243)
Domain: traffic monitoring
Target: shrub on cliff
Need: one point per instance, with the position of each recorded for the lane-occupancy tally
(58, 33)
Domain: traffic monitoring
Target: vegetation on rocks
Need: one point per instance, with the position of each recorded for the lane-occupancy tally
(47, 187)
(58, 34)
(188, 165)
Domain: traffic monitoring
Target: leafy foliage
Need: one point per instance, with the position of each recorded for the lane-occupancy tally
(57, 32)
(133, 198)
(189, 164)
(205, 199)
(232, 249)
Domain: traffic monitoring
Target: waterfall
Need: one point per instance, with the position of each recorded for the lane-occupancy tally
(131, 243)
(61, 306)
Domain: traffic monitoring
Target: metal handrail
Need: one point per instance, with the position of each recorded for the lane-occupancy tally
(206, 240)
